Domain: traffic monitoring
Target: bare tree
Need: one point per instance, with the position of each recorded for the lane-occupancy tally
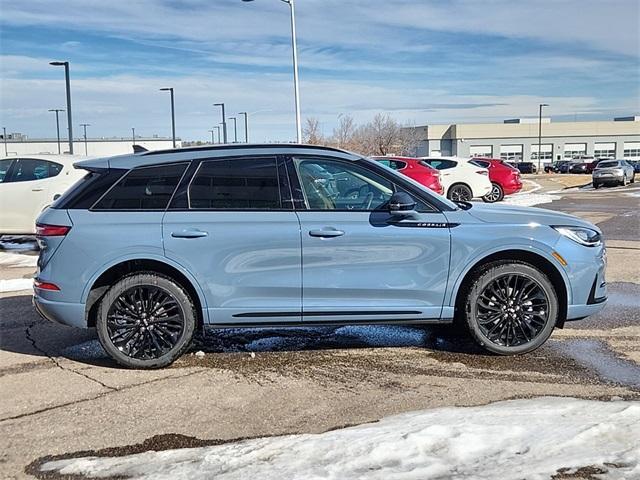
(343, 134)
(311, 133)
(384, 133)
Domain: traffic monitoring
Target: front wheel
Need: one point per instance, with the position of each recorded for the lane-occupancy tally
(459, 193)
(146, 320)
(495, 195)
(511, 308)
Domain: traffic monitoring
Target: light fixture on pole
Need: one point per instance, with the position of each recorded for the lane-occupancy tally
(57, 110)
(235, 129)
(540, 135)
(68, 83)
(224, 122)
(294, 47)
(84, 127)
(173, 115)
(246, 126)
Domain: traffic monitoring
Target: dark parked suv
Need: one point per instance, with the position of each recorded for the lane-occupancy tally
(149, 247)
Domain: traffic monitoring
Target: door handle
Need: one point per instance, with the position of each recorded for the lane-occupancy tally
(326, 233)
(189, 233)
(37, 189)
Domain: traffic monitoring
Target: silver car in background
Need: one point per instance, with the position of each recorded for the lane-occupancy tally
(613, 172)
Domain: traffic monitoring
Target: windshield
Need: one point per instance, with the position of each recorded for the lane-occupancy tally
(608, 164)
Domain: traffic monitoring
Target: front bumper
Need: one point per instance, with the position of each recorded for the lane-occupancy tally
(71, 314)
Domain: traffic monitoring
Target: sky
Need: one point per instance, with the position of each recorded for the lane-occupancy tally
(420, 61)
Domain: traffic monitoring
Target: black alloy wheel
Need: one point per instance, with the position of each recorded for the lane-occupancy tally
(512, 310)
(510, 307)
(460, 193)
(146, 320)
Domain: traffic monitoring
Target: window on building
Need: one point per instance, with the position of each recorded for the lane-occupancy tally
(481, 151)
(574, 150)
(547, 152)
(632, 150)
(604, 150)
(143, 188)
(511, 153)
(236, 184)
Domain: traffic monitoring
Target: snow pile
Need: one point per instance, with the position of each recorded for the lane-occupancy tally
(530, 199)
(508, 440)
(16, 284)
(16, 260)
(18, 243)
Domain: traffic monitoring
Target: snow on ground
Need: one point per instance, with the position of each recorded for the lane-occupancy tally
(15, 260)
(16, 284)
(508, 440)
(19, 243)
(530, 199)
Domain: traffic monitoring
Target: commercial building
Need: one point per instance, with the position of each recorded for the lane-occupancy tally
(517, 139)
(17, 144)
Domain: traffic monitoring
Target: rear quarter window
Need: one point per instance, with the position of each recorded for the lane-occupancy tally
(143, 188)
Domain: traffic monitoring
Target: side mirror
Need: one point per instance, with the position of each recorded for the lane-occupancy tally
(402, 205)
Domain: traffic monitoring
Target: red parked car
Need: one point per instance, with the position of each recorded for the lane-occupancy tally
(505, 179)
(417, 169)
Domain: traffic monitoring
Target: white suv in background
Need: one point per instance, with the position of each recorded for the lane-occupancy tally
(29, 184)
(460, 179)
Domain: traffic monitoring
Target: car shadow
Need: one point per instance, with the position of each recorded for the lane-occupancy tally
(23, 331)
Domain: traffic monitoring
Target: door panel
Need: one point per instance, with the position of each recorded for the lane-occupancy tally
(376, 270)
(247, 263)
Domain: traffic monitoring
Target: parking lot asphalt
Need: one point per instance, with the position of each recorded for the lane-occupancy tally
(59, 393)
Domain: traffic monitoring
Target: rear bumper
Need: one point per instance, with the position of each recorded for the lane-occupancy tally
(71, 314)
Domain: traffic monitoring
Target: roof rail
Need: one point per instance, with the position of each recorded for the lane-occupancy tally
(242, 146)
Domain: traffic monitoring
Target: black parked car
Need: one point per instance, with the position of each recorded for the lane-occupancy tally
(581, 167)
(554, 166)
(525, 167)
(565, 167)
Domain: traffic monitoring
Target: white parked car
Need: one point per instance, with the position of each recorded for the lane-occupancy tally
(29, 184)
(460, 179)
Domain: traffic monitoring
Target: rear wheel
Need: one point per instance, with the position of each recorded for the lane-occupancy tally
(146, 320)
(495, 195)
(459, 193)
(624, 181)
(511, 308)
(596, 185)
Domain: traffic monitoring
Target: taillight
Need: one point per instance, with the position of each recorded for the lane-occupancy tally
(43, 230)
(45, 286)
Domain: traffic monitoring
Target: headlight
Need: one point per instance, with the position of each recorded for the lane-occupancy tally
(583, 236)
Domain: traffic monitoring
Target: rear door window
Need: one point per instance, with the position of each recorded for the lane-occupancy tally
(440, 164)
(143, 188)
(236, 184)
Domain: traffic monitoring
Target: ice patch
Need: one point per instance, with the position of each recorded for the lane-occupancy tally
(16, 284)
(530, 199)
(16, 260)
(516, 439)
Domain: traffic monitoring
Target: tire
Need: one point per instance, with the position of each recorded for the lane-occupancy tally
(495, 195)
(504, 328)
(459, 192)
(624, 181)
(596, 185)
(136, 338)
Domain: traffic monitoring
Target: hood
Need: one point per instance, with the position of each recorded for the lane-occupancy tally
(512, 214)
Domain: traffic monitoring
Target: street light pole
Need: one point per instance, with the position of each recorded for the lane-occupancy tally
(540, 135)
(224, 121)
(173, 115)
(235, 129)
(57, 110)
(4, 137)
(246, 126)
(217, 128)
(133, 135)
(296, 82)
(84, 127)
(69, 119)
(212, 139)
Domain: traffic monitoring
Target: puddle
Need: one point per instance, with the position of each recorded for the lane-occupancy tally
(596, 356)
